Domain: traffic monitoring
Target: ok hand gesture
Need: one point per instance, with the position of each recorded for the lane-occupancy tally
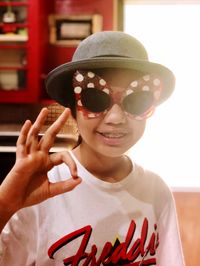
(27, 182)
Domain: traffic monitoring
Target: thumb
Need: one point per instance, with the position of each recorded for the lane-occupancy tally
(63, 186)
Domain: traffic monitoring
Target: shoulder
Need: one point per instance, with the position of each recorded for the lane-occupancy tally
(150, 180)
(151, 188)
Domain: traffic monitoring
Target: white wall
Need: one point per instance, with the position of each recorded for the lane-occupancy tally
(171, 144)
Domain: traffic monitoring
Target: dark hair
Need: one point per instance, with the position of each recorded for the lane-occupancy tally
(72, 107)
(73, 110)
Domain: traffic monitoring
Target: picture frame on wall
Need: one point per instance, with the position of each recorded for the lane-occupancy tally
(69, 30)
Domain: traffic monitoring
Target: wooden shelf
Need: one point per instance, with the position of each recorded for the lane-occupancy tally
(13, 38)
(17, 25)
(11, 91)
(14, 3)
(30, 47)
(12, 68)
(13, 46)
(17, 94)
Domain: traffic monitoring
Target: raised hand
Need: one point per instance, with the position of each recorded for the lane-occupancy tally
(27, 183)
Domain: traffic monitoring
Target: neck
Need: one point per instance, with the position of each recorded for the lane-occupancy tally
(110, 169)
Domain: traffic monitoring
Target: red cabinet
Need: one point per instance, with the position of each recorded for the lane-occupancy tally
(23, 49)
(26, 55)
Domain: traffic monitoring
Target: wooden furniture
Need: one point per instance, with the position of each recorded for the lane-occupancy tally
(187, 204)
(29, 53)
(23, 50)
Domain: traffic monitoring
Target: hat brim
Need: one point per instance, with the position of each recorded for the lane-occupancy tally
(59, 80)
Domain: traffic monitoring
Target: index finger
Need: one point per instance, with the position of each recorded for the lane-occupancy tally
(48, 139)
(21, 141)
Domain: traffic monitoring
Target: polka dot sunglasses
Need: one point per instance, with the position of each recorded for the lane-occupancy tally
(94, 96)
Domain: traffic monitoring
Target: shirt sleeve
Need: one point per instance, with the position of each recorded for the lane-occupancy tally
(170, 248)
(17, 241)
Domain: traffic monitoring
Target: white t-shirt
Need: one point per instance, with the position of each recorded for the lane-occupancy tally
(131, 222)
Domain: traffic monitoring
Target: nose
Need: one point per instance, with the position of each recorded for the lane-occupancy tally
(115, 115)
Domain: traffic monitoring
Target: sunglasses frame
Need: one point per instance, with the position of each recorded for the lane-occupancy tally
(83, 79)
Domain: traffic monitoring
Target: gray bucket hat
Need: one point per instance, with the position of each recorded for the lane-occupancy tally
(107, 49)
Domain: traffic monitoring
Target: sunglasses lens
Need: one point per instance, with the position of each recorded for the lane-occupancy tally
(138, 103)
(95, 100)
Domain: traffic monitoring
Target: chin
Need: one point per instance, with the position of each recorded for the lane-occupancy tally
(112, 151)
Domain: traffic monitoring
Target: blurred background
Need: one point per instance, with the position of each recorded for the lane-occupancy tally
(37, 35)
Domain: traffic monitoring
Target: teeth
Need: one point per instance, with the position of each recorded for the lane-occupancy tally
(113, 135)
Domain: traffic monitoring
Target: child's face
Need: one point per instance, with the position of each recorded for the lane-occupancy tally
(114, 125)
